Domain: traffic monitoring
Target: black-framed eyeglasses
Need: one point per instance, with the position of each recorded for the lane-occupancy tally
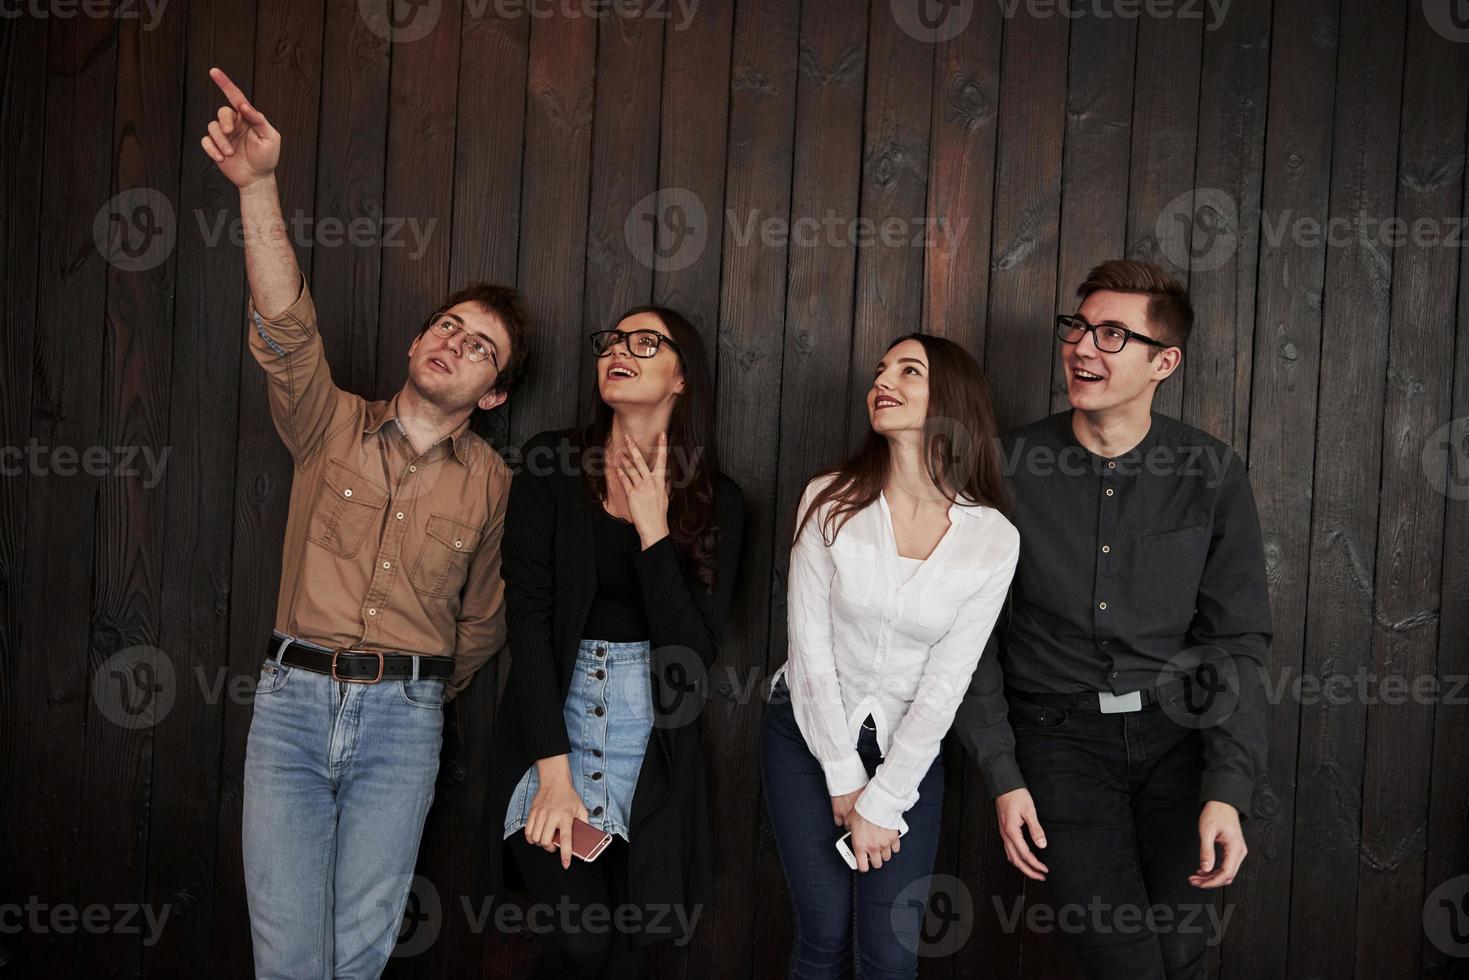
(474, 348)
(640, 343)
(1108, 336)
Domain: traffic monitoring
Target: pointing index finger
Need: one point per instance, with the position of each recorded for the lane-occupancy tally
(237, 98)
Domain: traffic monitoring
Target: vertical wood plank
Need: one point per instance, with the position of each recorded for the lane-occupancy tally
(1287, 345)
(1410, 542)
(183, 830)
(118, 763)
(350, 172)
(1340, 608)
(54, 680)
(1446, 465)
(23, 83)
(1026, 217)
(553, 215)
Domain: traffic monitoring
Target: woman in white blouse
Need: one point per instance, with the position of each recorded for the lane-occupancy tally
(901, 561)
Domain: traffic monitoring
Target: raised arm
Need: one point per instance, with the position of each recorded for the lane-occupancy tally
(246, 148)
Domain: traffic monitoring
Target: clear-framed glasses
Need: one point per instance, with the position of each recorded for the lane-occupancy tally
(640, 343)
(475, 347)
(1108, 336)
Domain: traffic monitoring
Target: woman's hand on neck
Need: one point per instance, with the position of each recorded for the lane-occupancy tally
(644, 425)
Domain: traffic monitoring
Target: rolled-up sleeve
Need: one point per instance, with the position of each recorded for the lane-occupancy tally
(304, 401)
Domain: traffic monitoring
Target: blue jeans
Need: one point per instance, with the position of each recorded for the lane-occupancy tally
(338, 781)
(826, 894)
(609, 716)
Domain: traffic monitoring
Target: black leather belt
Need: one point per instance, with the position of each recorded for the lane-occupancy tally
(1104, 701)
(357, 666)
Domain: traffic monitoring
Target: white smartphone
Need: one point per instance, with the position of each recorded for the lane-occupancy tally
(844, 844)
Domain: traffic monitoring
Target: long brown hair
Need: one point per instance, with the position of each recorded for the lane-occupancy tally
(693, 460)
(961, 443)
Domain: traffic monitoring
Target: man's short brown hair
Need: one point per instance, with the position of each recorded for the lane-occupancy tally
(1170, 314)
(505, 304)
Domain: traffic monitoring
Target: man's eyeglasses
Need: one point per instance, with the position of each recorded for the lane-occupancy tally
(640, 343)
(1108, 336)
(475, 349)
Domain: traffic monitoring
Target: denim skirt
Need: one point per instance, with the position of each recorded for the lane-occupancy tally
(609, 716)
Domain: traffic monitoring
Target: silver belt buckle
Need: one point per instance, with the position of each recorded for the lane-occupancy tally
(1112, 704)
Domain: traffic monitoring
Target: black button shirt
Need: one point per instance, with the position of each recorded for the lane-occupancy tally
(1129, 568)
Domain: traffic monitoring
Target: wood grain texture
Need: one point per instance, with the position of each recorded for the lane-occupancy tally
(739, 161)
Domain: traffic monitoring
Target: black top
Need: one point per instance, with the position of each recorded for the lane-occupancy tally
(550, 586)
(617, 608)
(1130, 568)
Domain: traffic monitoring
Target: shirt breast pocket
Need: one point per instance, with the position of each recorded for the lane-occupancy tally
(1172, 563)
(443, 561)
(348, 506)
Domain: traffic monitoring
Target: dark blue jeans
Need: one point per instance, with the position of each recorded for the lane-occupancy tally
(1118, 797)
(827, 895)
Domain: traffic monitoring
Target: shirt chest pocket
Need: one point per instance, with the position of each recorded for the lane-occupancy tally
(348, 506)
(1172, 563)
(443, 561)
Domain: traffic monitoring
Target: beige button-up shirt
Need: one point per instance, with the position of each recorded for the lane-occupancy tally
(387, 547)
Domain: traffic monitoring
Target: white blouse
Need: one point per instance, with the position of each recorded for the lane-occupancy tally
(866, 639)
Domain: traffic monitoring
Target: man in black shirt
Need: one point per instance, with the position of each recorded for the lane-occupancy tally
(1122, 706)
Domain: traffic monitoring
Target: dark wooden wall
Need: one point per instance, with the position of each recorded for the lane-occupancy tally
(1042, 144)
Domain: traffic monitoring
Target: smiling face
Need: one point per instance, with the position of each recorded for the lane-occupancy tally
(442, 373)
(1098, 381)
(898, 398)
(626, 381)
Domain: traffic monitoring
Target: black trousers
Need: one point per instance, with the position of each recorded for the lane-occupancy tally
(574, 913)
(1118, 798)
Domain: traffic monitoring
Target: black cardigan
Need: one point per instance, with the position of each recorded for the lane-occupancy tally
(550, 581)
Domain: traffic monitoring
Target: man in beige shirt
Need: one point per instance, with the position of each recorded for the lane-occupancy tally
(390, 595)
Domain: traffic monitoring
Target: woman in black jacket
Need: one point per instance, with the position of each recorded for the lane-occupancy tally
(619, 557)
